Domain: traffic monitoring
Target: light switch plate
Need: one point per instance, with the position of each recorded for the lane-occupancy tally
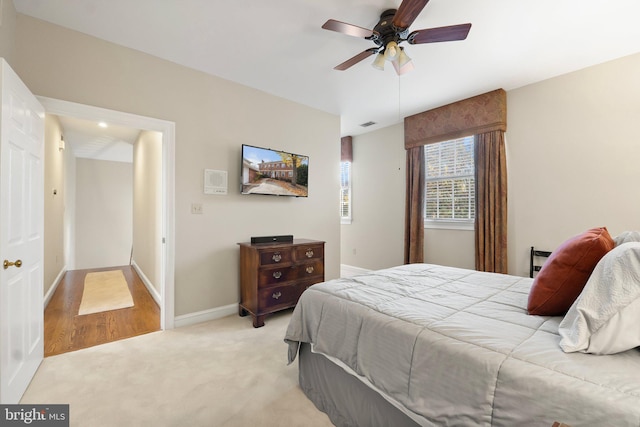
(196, 208)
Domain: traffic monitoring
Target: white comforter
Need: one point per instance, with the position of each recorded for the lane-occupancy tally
(457, 347)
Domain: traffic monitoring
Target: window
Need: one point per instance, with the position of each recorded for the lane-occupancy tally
(450, 184)
(345, 192)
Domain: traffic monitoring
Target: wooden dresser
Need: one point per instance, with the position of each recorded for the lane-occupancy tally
(274, 275)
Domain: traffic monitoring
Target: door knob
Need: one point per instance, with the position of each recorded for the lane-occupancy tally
(6, 264)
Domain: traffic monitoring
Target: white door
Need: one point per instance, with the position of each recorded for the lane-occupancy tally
(21, 233)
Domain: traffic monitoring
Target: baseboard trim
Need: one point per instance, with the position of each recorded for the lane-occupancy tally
(53, 287)
(205, 315)
(350, 270)
(147, 283)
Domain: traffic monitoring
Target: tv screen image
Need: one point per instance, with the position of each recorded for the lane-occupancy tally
(273, 172)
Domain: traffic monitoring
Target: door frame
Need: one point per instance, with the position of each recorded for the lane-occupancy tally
(167, 128)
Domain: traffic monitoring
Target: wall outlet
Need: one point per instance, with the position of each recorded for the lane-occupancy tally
(196, 208)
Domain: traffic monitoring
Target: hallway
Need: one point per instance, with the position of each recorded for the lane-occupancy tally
(65, 330)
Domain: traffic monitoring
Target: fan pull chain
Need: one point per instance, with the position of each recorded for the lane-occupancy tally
(399, 99)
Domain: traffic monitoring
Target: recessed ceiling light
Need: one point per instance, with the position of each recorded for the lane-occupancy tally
(102, 124)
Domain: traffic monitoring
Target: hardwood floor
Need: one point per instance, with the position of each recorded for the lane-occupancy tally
(65, 331)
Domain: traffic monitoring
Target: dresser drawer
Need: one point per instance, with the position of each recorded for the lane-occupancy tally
(310, 270)
(307, 252)
(276, 256)
(276, 275)
(281, 296)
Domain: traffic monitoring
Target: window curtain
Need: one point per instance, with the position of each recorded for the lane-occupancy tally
(491, 202)
(414, 207)
(346, 149)
(478, 115)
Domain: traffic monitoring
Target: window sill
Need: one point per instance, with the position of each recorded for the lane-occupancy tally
(450, 225)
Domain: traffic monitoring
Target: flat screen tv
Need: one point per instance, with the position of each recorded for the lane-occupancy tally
(273, 172)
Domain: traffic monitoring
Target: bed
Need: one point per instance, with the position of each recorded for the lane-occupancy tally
(429, 345)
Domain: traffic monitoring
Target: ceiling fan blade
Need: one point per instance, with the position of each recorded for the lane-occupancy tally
(348, 29)
(440, 34)
(353, 61)
(408, 12)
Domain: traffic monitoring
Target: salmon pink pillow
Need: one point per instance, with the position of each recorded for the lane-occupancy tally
(566, 271)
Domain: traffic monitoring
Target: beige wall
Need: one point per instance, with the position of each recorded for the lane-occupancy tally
(54, 204)
(573, 157)
(454, 248)
(7, 31)
(104, 213)
(572, 154)
(69, 192)
(213, 118)
(147, 206)
(374, 239)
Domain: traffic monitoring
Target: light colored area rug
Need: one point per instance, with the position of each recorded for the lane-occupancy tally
(104, 291)
(221, 373)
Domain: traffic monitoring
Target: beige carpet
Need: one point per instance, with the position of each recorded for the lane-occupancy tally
(219, 373)
(104, 291)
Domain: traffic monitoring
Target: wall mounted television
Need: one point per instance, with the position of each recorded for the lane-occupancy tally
(274, 172)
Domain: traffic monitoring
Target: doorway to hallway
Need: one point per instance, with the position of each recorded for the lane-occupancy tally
(159, 278)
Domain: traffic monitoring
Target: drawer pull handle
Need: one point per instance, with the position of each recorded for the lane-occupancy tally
(309, 253)
(310, 269)
(276, 295)
(277, 274)
(276, 257)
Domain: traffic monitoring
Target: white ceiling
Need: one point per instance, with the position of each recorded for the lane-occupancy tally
(88, 140)
(278, 46)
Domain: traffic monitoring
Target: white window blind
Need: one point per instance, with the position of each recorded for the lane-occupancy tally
(449, 181)
(345, 192)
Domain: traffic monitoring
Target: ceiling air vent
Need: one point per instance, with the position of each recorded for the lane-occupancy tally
(367, 124)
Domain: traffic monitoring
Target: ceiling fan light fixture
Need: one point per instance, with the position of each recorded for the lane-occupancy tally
(403, 58)
(392, 29)
(378, 63)
(391, 51)
(400, 70)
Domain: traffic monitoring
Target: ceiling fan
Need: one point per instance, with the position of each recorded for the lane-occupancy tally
(393, 29)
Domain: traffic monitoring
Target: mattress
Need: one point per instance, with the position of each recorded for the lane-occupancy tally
(457, 347)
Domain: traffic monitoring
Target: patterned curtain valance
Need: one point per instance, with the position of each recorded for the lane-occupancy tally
(480, 114)
(346, 150)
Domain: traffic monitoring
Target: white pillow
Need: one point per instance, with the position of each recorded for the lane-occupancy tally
(627, 236)
(605, 318)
